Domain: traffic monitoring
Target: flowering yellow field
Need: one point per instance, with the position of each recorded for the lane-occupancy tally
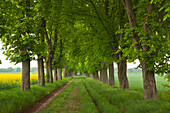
(13, 77)
(8, 81)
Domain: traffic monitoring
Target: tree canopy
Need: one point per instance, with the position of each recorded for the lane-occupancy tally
(89, 35)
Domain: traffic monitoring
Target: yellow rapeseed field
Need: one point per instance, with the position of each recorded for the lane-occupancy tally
(6, 78)
(9, 81)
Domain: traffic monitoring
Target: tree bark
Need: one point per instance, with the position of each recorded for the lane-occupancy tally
(105, 76)
(60, 74)
(72, 73)
(25, 83)
(50, 69)
(41, 79)
(55, 74)
(96, 75)
(111, 75)
(68, 74)
(47, 71)
(38, 61)
(123, 80)
(101, 75)
(91, 76)
(64, 71)
(87, 74)
(51, 49)
(104, 73)
(150, 90)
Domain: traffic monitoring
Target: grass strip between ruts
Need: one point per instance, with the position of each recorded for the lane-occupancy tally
(73, 99)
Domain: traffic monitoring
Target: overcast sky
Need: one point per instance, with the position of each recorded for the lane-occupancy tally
(6, 63)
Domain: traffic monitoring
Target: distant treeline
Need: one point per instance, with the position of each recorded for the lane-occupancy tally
(18, 69)
(130, 70)
(35, 70)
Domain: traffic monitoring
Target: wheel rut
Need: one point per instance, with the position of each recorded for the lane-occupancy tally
(41, 104)
(94, 101)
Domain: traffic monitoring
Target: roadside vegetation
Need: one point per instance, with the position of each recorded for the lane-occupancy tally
(15, 100)
(86, 95)
(129, 101)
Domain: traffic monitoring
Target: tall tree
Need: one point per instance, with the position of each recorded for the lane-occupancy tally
(18, 39)
(146, 47)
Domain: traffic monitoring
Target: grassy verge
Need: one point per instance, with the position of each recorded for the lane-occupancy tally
(14, 100)
(73, 99)
(14, 84)
(136, 81)
(129, 101)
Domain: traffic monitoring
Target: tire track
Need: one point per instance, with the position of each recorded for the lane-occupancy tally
(94, 101)
(41, 104)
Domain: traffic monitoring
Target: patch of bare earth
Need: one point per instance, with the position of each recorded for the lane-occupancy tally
(41, 104)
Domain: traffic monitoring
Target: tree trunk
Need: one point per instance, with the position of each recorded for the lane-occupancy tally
(123, 80)
(101, 75)
(68, 74)
(96, 75)
(41, 79)
(55, 74)
(47, 71)
(72, 73)
(25, 83)
(105, 76)
(87, 75)
(60, 74)
(64, 71)
(111, 75)
(38, 61)
(50, 68)
(150, 90)
(91, 76)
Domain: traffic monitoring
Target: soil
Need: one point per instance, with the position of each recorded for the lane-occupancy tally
(41, 104)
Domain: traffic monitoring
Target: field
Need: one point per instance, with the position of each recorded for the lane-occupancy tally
(9, 81)
(136, 81)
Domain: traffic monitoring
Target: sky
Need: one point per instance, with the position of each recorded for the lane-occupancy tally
(6, 63)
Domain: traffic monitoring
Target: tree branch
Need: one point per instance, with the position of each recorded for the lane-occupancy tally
(100, 19)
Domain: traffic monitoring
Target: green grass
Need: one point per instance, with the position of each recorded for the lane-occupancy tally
(136, 81)
(57, 104)
(129, 101)
(14, 100)
(14, 84)
(95, 96)
(73, 99)
(90, 96)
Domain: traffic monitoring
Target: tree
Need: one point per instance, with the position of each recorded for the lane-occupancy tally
(18, 39)
(147, 34)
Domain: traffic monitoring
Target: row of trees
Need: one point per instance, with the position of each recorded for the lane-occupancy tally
(18, 69)
(87, 36)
